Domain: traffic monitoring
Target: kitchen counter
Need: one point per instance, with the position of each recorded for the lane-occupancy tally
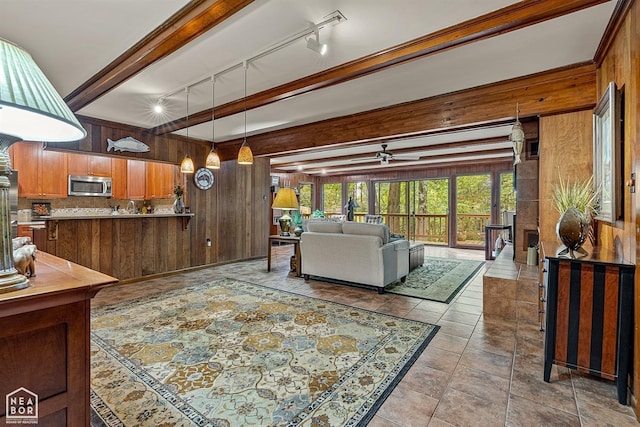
(118, 216)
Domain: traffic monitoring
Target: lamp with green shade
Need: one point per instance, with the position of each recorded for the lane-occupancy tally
(30, 110)
(286, 200)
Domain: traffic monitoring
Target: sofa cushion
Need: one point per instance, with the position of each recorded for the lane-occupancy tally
(325, 227)
(379, 230)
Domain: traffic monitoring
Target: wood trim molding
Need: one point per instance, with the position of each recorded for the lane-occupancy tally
(613, 28)
(507, 19)
(561, 90)
(189, 23)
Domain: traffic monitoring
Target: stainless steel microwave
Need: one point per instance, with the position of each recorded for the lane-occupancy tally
(89, 186)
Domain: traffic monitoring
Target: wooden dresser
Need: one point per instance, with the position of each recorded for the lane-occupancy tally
(44, 340)
(589, 314)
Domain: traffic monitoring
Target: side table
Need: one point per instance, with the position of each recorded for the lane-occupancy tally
(491, 232)
(296, 247)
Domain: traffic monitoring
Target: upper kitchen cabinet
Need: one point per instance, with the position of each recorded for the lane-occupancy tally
(136, 179)
(160, 180)
(41, 173)
(88, 165)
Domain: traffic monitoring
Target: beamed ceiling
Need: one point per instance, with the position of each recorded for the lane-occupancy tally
(436, 81)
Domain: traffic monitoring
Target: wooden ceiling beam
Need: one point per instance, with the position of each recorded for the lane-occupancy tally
(564, 89)
(510, 18)
(474, 145)
(189, 23)
(448, 162)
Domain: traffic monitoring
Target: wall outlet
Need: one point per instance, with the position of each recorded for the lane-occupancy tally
(208, 242)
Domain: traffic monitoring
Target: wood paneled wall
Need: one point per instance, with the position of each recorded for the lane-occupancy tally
(235, 213)
(621, 64)
(566, 151)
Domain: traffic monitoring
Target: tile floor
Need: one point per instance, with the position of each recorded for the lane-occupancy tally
(476, 372)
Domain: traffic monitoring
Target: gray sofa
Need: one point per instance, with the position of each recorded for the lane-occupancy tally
(353, 252)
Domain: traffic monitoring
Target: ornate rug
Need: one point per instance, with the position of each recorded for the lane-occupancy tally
(232, 353)
(439, 279)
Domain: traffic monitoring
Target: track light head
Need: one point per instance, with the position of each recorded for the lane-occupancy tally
(313, 43)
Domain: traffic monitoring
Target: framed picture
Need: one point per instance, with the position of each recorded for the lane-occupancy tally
(606, 155)
(277, 213)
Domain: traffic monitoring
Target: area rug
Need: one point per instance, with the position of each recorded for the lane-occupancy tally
(438, 279)
(232, 353)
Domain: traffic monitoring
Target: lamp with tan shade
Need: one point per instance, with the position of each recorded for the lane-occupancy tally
(286, 200)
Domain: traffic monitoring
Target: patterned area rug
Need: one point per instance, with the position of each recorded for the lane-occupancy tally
(232, 353)
(439, 279)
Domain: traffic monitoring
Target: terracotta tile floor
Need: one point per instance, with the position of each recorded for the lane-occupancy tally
(475, 372)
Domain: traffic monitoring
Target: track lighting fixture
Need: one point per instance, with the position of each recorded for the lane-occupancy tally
(158, 107)
(313, 42)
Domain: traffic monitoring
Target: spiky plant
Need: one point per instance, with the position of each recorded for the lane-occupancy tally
(580, 195)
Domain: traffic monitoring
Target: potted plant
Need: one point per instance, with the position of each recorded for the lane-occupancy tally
(576, 203)
(178, 205)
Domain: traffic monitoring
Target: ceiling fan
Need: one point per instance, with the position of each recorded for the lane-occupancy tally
(384, 156)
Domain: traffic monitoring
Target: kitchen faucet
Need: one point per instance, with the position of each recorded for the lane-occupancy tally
(131, 207)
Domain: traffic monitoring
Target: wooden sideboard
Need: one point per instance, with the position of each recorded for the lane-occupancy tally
(44, 340)
(589, 314)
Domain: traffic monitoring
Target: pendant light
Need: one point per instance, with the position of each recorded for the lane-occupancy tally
(517, 137)
(187, 164)
(213, 160)
(245, 156)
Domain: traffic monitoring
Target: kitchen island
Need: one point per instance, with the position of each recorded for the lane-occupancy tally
(124, 246)
(44, 337)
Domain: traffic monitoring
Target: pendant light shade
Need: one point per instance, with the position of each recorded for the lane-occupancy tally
(213, 160)
(187, 165)
(245, 156)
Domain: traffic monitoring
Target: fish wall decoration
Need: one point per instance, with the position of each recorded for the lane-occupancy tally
(127, 144)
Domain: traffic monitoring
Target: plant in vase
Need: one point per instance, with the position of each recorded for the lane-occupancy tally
(296, 220)
(178, 205)
(576, 204)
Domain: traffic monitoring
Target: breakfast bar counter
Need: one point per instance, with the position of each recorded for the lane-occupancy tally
(123, 246)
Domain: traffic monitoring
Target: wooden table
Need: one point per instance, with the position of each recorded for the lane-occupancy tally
(44, 337)
(296, 247)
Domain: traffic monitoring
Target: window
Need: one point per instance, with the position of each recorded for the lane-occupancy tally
(332, 199)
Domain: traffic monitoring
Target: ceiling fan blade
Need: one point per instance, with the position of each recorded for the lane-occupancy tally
(405, 157)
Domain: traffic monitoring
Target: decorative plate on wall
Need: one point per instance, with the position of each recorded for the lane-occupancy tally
(203, 178)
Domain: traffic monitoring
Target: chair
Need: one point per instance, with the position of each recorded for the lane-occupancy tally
(373, 219)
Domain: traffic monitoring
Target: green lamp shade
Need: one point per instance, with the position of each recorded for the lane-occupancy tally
(30, 107)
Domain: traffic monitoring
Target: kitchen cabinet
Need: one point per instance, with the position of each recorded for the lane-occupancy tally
(136, 179)
(119, 178)
(589, 315)
(25, 231)
(42, 173)
(160, 179)
(88, 165)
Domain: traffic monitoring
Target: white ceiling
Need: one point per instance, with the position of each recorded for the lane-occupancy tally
(72, 40)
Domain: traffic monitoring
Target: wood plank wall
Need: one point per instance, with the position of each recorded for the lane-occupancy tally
(234, 214)
(620, 62)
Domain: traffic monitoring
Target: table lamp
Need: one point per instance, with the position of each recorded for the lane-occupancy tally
(286, 200)
(30, 110)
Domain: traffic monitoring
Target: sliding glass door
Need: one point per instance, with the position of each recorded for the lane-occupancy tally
(473, 208)
(417, 209)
